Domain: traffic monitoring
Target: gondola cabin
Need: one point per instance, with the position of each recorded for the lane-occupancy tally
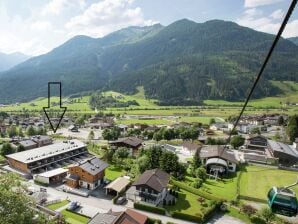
(282, 201)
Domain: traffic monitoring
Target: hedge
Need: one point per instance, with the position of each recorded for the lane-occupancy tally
(154, 221)
(86, 216)
(195, 191)
(149, 208)
(187, 217)
(212, 209)
(41, 183)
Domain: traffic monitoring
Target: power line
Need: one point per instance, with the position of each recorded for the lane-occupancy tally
(283, 25)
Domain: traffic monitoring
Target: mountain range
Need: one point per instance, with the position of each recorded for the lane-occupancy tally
(8, 61)
(179, 64)
(294, 40)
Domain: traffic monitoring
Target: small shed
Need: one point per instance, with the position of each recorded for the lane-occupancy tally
(117, 186)
(51, 177)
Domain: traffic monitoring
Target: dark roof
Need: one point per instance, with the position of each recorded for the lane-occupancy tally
(255, 136)
(131, 217)
(283, 148)
(27, 143)
(39, 138)
(93, 165)
(219, 151)
(132, 141)
(73, 177)
(191, 146)
(155, 179)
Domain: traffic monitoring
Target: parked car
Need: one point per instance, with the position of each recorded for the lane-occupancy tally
(121, 200)
(73, 205)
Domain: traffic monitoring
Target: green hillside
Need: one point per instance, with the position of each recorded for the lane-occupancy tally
(183, 63)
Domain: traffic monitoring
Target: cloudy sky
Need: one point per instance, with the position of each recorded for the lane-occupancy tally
(35, 27)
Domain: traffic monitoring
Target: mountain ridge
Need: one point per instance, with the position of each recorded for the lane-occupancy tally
(196, 61)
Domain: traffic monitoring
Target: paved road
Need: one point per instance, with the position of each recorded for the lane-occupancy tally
(91, 205)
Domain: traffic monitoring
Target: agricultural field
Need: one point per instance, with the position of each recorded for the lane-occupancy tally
(218, 109)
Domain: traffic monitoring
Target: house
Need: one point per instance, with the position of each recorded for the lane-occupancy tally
(190, 148)
(127, 217)
(42, 140)
(217, 158)
(100, 125)
(256, 142)
(88, 174)
(132, 143)
(28, 144)
(287, 154)
(169, 148)
(151, 186)
(218, 126)
(42, 159)
(123, 127)
(73, 128)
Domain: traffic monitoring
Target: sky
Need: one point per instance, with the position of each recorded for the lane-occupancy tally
(35, 27)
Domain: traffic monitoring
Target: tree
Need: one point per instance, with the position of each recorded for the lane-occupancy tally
(201, 173)
(91, 135)
(292, 128)
(157, 136)
(120, 154)
(237, 141)
(212, 121)
(267, 214)
(14, 203)
(30, 131)
(12, 131)
(280, 121)
(21, 148)
(168, 161)
(7, 149)
(196, 160)
(255, 130)
(111, 134)
(21, 134)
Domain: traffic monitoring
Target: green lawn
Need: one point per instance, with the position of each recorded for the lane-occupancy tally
(187, 203)
(113, 172)
(236, 214)
(145, 121)
(58, 205)
(226, 188)
(257, 180)
(73, 218)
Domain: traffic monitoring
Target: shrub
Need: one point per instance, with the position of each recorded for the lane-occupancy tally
(191, 218)
(257, 220)
(154, 221)
(248, 210)
(41, 183)
(149, 208)
(195, 191)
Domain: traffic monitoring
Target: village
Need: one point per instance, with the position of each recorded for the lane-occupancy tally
(99, 171)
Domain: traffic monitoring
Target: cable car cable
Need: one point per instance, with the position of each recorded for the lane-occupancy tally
(283, 25)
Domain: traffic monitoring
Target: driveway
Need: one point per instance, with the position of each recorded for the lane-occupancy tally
(91, 205)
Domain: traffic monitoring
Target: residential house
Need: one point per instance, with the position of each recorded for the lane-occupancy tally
(132, 143)
(88, 174)
(151, 187)
(190, 148)
(28, 144)
(287, 154)
(256, 142)
(218, 158)
(127, 217)
(42, 140)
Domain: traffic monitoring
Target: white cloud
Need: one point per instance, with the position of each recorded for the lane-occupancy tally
(41, 26)
(106, 16)
(278, 14)
(57, 6)
(268, 24)
(256, 3)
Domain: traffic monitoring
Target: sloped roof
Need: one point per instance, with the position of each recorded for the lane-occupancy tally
(155, 179)
(219, 151)
(119, 184)
(132, 141)
(131, 217)
(190, 146)
(93, 165)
